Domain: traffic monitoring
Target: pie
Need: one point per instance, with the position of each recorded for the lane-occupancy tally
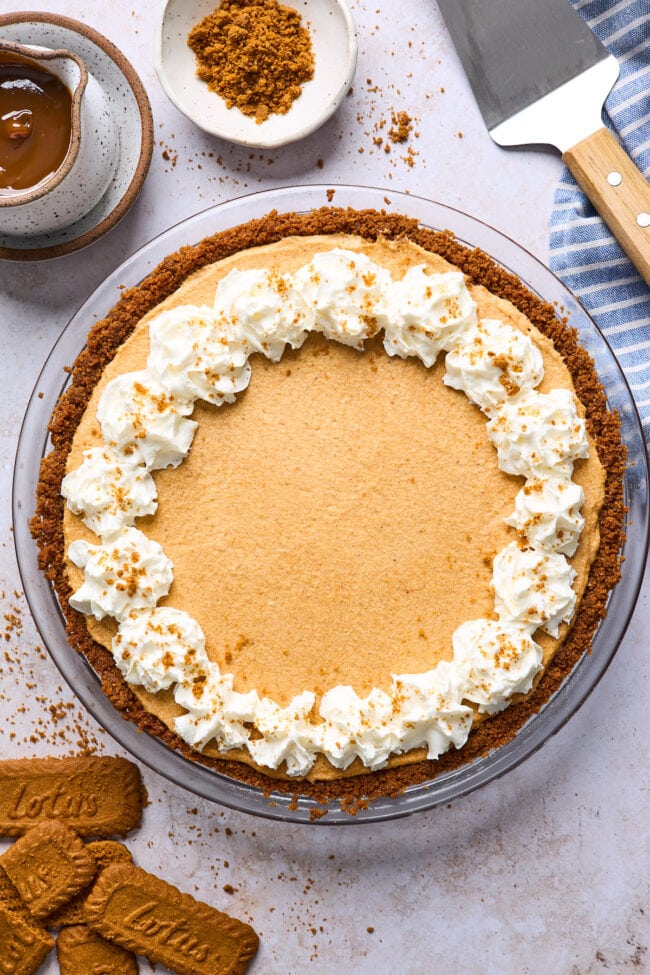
(343, 503)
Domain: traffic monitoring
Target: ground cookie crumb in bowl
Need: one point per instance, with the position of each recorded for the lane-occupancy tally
(256, 55)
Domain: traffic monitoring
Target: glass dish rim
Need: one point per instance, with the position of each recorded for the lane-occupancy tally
(279, 805)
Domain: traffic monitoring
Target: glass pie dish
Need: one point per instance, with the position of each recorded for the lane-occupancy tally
(281, 803)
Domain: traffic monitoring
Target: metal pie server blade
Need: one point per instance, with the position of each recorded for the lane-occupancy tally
(540, 76)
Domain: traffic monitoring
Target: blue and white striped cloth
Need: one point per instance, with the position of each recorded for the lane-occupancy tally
(582, 251)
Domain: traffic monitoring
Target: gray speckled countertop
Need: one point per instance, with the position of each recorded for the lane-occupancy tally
(544, 871)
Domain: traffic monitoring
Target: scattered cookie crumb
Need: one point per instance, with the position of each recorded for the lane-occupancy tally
(401, 127)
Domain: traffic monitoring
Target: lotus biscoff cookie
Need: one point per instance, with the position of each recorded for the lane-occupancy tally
(23, 946)
(48, 866)
(152, 918)
(108, 852)
(105, 853)
(96, 795)
(11, 899)
(82, 952)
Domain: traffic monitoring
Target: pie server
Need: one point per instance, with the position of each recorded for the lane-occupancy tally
(540, 76)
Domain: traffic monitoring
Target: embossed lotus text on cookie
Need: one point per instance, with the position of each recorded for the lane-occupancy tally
(23, 946)
(48, 866)
(96, 795)
(81, 951)
(150, 917)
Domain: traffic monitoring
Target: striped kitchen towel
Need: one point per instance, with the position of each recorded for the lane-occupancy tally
(582, 251)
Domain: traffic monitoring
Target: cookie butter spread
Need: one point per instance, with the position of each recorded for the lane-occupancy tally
(191, 351)
(35, 123)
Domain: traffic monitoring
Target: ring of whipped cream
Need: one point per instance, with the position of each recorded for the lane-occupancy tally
(203, 353)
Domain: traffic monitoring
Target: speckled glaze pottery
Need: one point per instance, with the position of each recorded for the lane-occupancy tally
(88, 167)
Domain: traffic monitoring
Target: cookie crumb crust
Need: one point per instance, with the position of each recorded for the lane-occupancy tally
(108, 335)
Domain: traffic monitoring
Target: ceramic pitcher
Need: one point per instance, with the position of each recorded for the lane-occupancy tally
(89, 164)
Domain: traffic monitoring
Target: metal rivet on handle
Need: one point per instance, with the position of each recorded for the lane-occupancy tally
(643, 219)
(614, 178)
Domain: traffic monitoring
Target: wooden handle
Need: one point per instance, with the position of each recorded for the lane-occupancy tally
(618, 191)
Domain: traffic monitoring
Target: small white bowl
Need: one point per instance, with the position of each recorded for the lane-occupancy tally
(334, 42)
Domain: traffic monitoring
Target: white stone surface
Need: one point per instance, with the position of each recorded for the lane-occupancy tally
(545, 871)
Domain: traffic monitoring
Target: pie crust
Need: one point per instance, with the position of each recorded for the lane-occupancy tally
(275, 381)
